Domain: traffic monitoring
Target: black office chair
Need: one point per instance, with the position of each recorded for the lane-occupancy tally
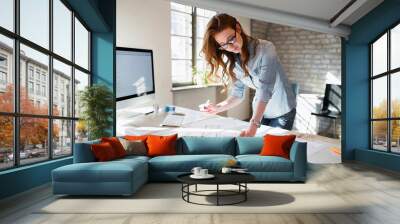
(331, 104)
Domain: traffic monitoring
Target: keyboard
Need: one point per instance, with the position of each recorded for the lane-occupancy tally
(173, 120)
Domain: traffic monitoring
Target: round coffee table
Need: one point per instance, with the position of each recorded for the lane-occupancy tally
(238, 179)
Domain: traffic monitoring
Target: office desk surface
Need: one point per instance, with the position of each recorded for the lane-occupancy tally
(133, 122)
(195, 123)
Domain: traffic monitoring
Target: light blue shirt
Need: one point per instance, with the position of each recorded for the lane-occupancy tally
(267, 77)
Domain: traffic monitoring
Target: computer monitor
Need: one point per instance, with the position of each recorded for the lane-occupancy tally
(332, 99)
(134, 73)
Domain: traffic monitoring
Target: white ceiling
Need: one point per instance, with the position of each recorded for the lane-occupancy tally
(320, 9)
(313, 15)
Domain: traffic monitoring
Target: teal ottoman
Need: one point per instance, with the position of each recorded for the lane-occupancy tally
(118, 177)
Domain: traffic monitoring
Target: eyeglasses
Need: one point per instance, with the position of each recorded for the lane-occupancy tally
(230, 42)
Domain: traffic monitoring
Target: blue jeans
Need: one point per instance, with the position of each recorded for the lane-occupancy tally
(285, 121)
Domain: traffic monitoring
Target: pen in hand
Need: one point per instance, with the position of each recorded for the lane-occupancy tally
(204, 106)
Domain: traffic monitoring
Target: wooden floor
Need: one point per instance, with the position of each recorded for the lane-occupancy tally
(378, 189)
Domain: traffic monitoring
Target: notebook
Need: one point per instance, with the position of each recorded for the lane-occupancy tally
(173, 120)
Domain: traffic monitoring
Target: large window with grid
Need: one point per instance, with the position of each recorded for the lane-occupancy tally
(385, 92)
(187, 30)
(44, 64)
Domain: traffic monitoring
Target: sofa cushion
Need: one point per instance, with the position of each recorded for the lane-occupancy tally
(116, 145)
(103, 152)
(83, 153)
(249, 145)
(131, 158)
(185, 163)
(136, 137)
(257, 163)
(134, 147)
(277, 145)
(161, 145)
(112, 171)
(195, 145)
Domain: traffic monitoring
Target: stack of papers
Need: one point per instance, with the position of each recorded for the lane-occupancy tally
(173, 120)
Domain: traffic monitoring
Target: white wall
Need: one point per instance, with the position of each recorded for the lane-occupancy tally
(246, 23)
(146, 24)
(243, 111)
(191, 98)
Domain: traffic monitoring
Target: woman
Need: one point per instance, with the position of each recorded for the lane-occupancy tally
(246, 61)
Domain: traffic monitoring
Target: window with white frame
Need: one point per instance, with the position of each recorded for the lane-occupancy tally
(187, 30)
(3, 78)
(30, 87)
(3, 61)
(37, 89)
(30, 72)
(3, 71)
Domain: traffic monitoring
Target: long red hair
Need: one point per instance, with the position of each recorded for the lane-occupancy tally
(217, 58)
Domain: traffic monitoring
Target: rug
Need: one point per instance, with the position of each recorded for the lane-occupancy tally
(166, 198)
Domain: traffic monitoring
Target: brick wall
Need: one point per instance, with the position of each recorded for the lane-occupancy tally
(310, 59)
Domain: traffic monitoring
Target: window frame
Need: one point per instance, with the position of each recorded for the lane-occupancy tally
(388, 74)
(3, 69)
(194, 38)
(16, 115)
(3, 74)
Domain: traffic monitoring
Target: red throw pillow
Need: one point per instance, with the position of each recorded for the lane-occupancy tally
(277, 145)
(116, 145)
(161, 145)
(103, 152)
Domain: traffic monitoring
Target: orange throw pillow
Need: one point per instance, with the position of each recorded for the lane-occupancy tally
(136, 137)
(277, 145)
(103, 152)
(161, 145)
(116, 145)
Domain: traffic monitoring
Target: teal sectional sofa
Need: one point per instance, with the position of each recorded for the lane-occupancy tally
(125, 176)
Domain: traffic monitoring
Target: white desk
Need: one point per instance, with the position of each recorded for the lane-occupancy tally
(196, 123)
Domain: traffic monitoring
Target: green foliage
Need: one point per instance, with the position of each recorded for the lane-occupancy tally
(200, 77)
(96, 102)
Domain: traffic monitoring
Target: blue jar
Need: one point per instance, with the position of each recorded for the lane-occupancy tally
(169, 109)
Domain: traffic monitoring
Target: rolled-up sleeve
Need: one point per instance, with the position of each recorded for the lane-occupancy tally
(268, 73)
(237, 89)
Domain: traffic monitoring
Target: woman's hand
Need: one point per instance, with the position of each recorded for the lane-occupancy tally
(257, 115)
(211, 108)
(225, 105)
(250, 131)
